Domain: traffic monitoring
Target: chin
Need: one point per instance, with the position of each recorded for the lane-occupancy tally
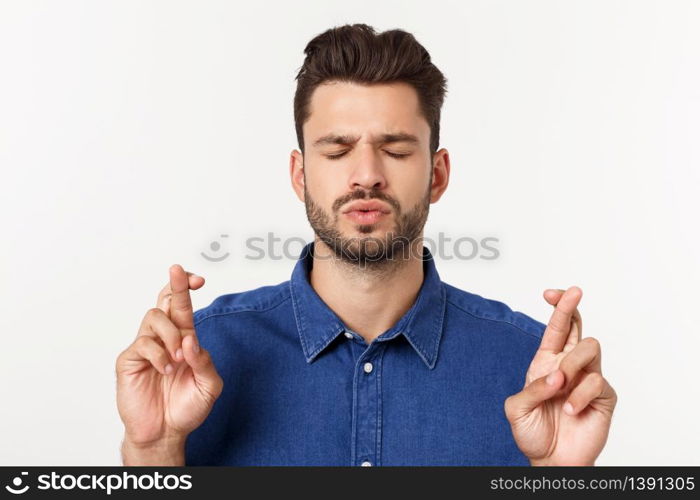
(368, 230)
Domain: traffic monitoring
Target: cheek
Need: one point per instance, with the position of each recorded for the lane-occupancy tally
(322, 188)
(409, 189)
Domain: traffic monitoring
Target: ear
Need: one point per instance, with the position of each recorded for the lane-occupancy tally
(441, 174)
(296, 173)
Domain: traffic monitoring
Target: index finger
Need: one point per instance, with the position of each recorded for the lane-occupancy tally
(559, 326)
(181, 303)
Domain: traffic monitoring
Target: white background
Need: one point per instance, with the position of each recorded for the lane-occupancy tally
(134, 133)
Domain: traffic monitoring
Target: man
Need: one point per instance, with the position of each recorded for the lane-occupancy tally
(364, 357)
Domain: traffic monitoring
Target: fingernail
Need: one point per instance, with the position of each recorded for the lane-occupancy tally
(178, 354)
(569, 409)
(168, 368)
(551, 377)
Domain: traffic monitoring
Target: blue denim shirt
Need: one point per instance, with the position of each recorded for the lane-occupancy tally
(301, 388)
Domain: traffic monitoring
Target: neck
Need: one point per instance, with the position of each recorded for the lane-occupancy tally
(370, 300)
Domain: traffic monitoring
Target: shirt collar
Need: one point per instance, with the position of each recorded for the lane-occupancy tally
(318, 325)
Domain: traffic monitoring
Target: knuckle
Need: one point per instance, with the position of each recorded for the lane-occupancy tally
(593, 342)
(182, 305)
(508, 406)
(219, 386)
(554, 327)
(597, 381)
(140, 341)
(143, 343)
(154, 312)
(120, 360)
(565, 364)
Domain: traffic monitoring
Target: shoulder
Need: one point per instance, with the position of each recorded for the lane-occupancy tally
(490, 310)
(261, 299)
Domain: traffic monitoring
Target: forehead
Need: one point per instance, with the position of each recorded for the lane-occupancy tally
(359, 108)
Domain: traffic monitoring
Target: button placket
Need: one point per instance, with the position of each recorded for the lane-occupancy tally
(367, 408)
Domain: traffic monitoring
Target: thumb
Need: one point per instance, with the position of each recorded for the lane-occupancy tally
(521, 404)
(206, 377)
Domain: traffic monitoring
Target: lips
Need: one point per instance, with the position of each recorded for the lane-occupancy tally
(366, 217)
(367, 206)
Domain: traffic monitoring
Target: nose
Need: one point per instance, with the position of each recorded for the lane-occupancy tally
(368, 172)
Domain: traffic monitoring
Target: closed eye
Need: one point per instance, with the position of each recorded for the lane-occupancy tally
(398, 156)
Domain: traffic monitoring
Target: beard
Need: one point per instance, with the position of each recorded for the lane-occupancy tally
(370, 252)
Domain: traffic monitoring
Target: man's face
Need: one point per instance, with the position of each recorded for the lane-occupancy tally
(352, 122)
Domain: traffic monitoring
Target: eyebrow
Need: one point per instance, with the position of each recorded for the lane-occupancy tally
(351, 139)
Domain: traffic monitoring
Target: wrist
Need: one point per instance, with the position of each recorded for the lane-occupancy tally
(167, 451)
(548, 462)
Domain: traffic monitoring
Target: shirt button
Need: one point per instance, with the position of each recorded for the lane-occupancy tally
(368, 367)
(366, 464)
(348, 335)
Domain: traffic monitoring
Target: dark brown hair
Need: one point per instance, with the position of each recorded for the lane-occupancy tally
(356, 53)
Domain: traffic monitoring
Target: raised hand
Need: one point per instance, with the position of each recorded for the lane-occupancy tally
(562, 415)
(166, 383)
